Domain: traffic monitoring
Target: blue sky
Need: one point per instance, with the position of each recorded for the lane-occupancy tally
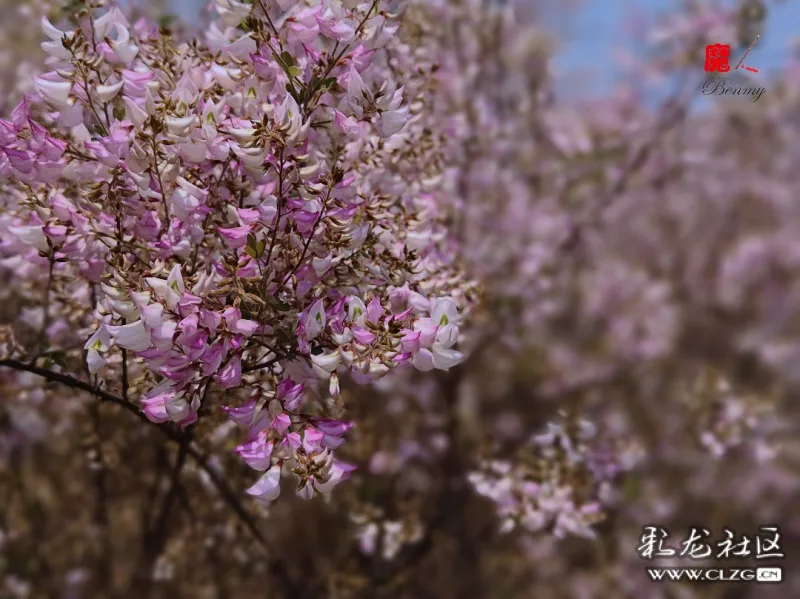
(593, 31)
(597, 28)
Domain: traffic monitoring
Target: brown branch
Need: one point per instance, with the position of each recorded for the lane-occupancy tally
(160, 466)
(277, 217)
(307, 243)
(160, 182)
(228, 495)
(125, 383)
(262, 365)
(101, 519)
(155, 537)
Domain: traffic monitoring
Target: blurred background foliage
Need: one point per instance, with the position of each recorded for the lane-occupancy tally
(705, 415)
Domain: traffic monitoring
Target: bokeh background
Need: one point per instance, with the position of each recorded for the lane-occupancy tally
(638, 253)
(597, 37)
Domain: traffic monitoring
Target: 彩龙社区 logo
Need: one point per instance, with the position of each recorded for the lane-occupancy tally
(700, 546)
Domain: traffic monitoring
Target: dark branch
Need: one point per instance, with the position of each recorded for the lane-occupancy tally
(225, 491)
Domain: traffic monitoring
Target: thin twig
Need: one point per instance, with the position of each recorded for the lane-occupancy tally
(225, 491)
(160, 182)
(101, 518)
(280, 206)
(307, 242)
(155, 537)
(262, 365)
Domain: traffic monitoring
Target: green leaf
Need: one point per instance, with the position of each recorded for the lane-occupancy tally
(287, 59)
(294, 71)
(328, 83)
(255, 248)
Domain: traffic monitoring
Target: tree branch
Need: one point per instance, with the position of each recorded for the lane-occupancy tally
(225, 491)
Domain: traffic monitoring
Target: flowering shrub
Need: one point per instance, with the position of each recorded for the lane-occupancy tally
(238, 214)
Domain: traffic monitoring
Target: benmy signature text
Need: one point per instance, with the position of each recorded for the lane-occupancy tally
(721, 86)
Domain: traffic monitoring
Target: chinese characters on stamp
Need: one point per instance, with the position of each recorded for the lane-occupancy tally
(717, 56)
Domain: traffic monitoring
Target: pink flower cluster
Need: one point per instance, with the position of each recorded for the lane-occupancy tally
(560, 486)
(235, 213)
